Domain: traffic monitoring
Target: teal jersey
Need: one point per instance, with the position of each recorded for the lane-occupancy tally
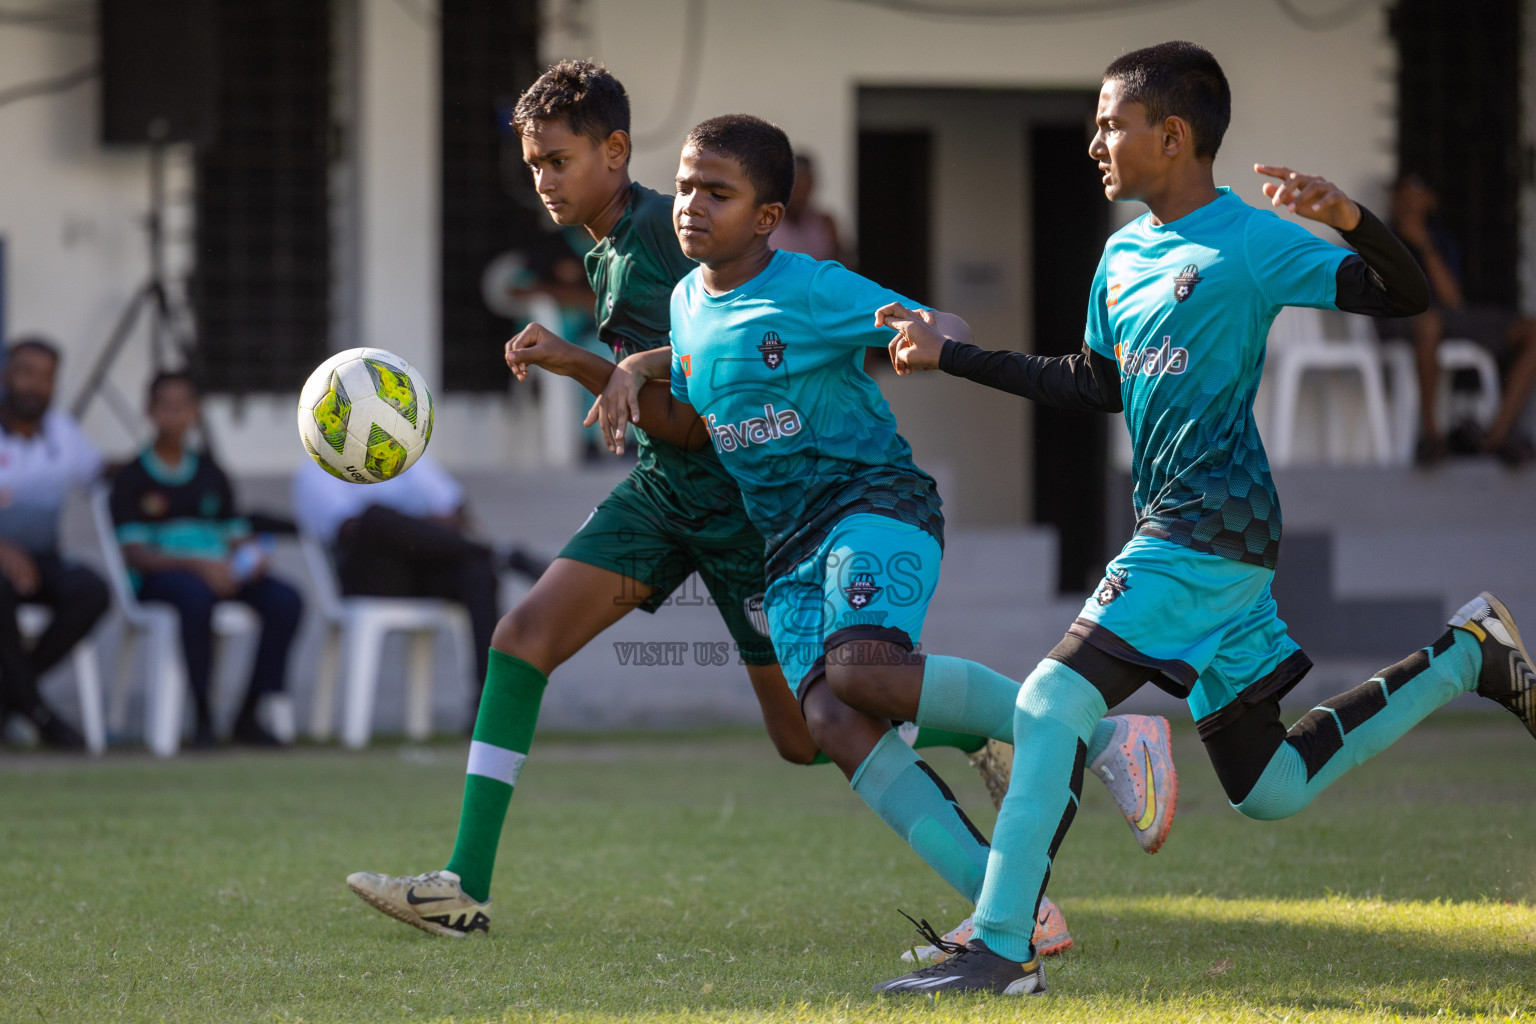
(1184, 309)
(632, 271)
(776, 368)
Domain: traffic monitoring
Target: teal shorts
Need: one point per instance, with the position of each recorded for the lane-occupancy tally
(871, 579)
(1207, 624)
(629, 535)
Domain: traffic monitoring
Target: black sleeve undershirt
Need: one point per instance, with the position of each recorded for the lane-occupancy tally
(1381, 278)
(1087, 381)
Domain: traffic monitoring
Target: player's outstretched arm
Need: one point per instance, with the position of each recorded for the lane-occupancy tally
(537, 345)
(1086, 381)
(1383, 279)
(619, 402)
(664, 418)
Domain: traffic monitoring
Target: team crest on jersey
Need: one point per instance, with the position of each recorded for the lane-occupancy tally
(1184, 284)
(1113, 586)
(861, 590)
(772, 349)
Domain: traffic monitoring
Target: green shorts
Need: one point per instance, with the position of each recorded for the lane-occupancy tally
(629, 535)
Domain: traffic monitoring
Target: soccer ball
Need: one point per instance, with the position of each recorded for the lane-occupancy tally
(365, 415)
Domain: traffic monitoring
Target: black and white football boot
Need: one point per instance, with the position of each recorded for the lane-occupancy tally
(1508, 677)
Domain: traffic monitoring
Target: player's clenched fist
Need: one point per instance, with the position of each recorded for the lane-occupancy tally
(1311, 196)
(917, 345)
(536, 345)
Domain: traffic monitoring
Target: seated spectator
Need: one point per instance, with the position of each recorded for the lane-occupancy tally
(1510, 337)
(42, 455)
(175, 516)
(407, 537)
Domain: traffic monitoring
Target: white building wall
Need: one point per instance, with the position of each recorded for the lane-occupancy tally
(72, 215)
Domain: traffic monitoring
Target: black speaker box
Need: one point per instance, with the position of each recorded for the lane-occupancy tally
(159, 70)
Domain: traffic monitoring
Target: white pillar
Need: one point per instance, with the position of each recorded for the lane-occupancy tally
(397, 153)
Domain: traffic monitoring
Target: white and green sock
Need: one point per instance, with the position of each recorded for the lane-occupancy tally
(509, 711)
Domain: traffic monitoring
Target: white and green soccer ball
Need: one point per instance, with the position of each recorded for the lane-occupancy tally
(365, 415)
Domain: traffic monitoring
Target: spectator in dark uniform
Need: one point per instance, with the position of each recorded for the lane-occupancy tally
(175, 516)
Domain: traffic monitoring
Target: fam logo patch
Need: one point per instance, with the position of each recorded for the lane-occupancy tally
(1184, 284)
(753, 606)
(687, 362)
(861, 590)
(772, 349)
(1113, 298)
(1113, 586)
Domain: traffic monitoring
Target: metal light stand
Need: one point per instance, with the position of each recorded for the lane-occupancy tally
(164, 337)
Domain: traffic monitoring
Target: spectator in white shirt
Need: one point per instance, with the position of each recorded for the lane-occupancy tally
(43, 455)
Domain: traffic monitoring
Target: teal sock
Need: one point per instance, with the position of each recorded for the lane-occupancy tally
(1099, 741)
(906, 794)
(509, 710)
(1355, 726)
(966, 697)
(1055, 716)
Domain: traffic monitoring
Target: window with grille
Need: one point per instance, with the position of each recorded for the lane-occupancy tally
(261, 288)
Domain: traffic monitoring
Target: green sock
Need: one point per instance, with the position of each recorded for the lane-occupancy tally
(963, 742)
(966, 697)
(509, 710)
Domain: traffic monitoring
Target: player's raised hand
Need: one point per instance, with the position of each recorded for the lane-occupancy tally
(917, 344)
(535, 345)
(1309, 195)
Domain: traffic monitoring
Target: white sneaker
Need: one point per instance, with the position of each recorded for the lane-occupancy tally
(433, 902)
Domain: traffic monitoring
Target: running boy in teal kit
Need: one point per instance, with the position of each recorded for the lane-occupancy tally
(678, 512)
(767, 351)
(1177, 319)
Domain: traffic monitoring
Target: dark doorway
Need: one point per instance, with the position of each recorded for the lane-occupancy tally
(489, 56)
(1070, 222)
(1458, 110)
(893, 212)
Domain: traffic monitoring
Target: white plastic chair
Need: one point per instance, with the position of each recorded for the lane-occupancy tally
(1452, 355)
(33, 620)
(354, 646)
(1299, 344)
(159, 628)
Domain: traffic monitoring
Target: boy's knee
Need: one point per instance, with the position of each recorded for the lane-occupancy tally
(523, 634)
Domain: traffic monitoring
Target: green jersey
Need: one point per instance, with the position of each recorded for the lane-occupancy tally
(633, 270)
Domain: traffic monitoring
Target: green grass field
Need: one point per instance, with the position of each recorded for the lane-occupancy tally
(696, 878)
